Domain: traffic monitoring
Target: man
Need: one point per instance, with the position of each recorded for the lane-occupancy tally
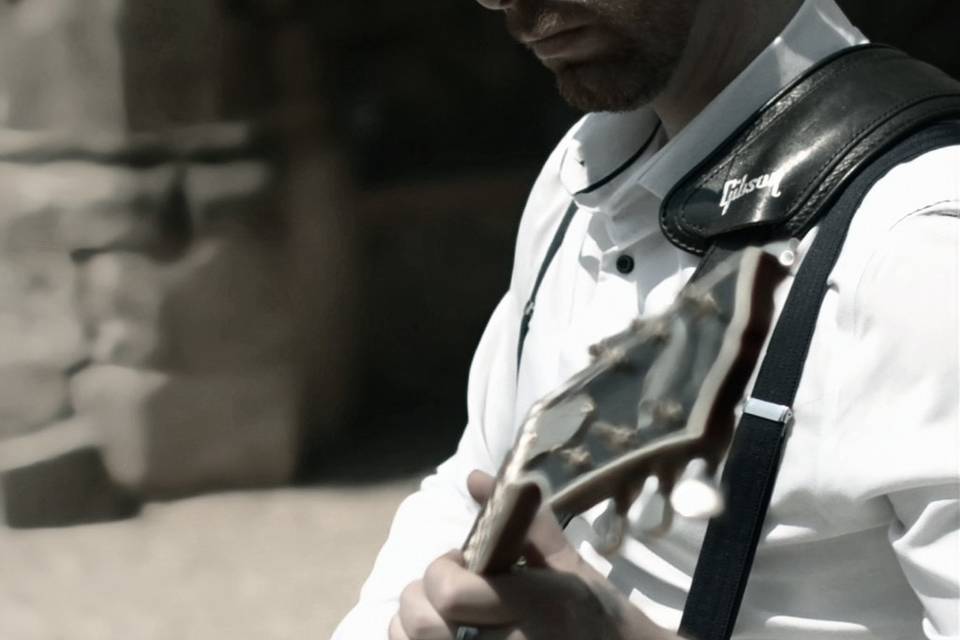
(863, 535)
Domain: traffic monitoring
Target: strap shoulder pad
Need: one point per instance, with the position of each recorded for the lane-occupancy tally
(783, 167)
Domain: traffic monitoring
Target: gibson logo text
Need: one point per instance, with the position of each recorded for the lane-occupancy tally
(735, 189)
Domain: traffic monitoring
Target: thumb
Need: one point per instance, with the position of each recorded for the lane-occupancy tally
(547, 545)
(480, 485)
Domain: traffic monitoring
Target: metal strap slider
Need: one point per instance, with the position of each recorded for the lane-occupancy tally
(768, 410)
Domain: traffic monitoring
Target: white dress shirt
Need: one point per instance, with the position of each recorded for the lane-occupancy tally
(862, 539)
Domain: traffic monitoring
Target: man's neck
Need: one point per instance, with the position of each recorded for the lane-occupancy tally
(725, 38)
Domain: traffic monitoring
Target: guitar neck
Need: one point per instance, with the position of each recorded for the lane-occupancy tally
(495, 542)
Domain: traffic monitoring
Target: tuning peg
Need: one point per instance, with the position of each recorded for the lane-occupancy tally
(597, 350)
(659, 330)
(577, 458)
(650, 513)
(695, 494)
(606, 349)
(669, 411)
(704, 304)
(609, 529)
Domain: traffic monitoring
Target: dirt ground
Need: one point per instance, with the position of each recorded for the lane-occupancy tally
(264, 565)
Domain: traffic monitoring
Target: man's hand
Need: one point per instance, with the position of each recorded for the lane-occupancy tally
(558, 596)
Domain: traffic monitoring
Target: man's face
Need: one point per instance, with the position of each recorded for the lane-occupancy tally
(607, 55)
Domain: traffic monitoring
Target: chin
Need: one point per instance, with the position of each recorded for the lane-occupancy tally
(608, 85)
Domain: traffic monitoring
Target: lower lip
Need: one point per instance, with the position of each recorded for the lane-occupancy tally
(568, 44)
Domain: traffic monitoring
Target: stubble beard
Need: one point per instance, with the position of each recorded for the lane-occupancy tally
(615, 84)
(648, 38)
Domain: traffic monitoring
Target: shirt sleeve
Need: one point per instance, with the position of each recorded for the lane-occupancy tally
(436, 518)
(908, 400)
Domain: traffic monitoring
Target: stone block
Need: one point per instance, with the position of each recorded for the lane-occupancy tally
(128, 64)
(228, 192)
(32, 395)
(56, 478)
(166, 435)
(185, 62)
(61, 65)
(229, 306)
(120, 298)
(41, 339)
(120, 208)
(221, 306)
(38, 317)
(77, 205)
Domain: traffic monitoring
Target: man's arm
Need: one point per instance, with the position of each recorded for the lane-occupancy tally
(901, 403)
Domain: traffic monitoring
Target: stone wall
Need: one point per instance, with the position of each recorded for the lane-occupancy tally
(158, 304)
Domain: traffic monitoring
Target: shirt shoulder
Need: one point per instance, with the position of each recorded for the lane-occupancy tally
(928, 181)
(897, 359)
(924, 186)
(906, 279)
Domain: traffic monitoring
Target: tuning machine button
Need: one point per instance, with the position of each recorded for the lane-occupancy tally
(695, 494)
(651, 513)
(785, 251)
(609, 529)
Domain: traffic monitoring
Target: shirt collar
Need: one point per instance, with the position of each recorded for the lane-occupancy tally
(615, 162)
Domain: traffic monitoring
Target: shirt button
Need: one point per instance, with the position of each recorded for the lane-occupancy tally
(625, 264)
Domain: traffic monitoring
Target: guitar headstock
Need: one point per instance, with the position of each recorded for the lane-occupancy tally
(657, 401)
